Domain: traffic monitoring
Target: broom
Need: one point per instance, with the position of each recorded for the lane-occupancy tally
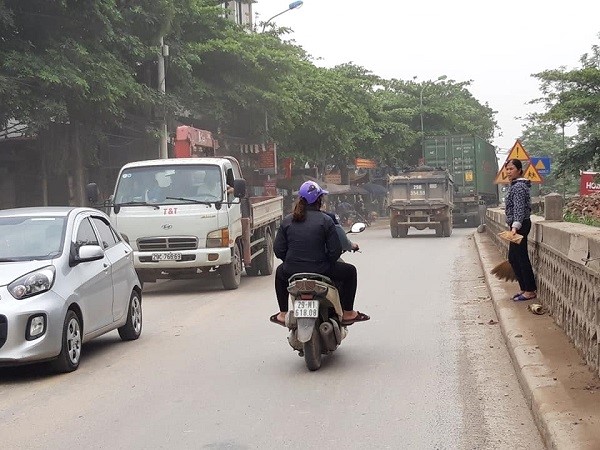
(504, 271)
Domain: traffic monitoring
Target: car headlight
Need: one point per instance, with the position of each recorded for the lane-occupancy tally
(218, 238)
(33, 283)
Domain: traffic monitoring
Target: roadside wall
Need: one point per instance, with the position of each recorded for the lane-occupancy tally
(568, 277)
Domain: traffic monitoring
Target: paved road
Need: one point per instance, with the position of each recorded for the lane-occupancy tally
(429, 371)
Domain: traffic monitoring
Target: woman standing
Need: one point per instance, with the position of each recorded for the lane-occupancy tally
(518, 212)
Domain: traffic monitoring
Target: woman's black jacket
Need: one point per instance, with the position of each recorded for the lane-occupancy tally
(309, 246)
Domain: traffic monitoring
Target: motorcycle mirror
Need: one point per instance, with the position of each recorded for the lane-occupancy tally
(357, 227)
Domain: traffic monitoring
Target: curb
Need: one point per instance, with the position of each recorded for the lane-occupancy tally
(557, 412)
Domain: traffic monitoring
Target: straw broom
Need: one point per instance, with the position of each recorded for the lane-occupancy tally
(504, 271)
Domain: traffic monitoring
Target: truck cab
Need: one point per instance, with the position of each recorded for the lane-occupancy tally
(186, 217)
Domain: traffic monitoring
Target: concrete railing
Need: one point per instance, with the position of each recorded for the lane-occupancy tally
(566, 262)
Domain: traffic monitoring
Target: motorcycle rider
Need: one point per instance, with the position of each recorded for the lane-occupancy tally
(307, 241)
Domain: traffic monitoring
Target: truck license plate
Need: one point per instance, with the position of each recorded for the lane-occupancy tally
(306, 308)
(166, 256)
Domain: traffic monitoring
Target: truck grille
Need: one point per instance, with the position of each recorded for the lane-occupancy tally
(3, 330)
(161, 244)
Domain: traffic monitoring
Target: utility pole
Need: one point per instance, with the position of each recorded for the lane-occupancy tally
(164, 51)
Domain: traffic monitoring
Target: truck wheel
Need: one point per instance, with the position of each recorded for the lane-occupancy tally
(266, 258)
(252, 271)
(447, 228)
(439, 231)
(394, 231)
(231, 274)
(312, 351)
(402, 231)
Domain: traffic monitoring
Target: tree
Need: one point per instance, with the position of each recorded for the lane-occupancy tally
(574, 96)
(72, 70)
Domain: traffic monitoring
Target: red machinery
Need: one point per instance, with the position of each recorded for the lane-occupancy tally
(191, 142)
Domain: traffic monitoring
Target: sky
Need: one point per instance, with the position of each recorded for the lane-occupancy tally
(498, 45)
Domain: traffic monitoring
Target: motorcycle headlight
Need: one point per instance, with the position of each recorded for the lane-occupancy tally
(33, 283)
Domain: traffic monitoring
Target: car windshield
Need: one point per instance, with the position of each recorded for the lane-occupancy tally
(31, 238)
(175, 184)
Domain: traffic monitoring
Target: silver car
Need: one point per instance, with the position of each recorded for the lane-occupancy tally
(66, 277)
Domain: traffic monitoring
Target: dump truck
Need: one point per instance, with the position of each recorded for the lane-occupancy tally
(190, 217)
(421, 198)
(473, 164)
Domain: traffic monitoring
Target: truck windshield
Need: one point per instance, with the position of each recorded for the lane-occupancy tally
(176, 184)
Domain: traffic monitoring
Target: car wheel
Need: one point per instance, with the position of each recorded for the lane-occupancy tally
(70, 353)
(133, 327)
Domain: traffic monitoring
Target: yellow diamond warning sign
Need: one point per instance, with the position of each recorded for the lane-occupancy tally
(530, 170)
(518, 152)
(532, 174)
(502, 177)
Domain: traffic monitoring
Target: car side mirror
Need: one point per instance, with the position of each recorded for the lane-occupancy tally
(239, 188)
(87, 253)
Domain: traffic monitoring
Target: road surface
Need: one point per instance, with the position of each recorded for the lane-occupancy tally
(429, 371)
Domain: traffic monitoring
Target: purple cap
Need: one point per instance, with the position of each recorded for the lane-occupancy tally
(311, 191)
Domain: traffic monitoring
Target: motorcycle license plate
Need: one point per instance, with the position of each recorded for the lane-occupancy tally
(306, 308)
(166, 256)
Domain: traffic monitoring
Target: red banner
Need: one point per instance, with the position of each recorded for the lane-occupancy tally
(590, 183)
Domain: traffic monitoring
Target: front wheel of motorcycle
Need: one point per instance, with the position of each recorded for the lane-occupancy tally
(312, 351)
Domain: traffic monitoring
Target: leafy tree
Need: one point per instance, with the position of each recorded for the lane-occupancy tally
(72, 68)
(574, 96)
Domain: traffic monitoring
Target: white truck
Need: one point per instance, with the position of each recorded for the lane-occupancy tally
(188, 217)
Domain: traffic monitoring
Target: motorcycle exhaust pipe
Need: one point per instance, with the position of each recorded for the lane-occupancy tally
(339, 332)
(328, 336)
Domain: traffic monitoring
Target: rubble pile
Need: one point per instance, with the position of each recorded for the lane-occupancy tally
(585, 206)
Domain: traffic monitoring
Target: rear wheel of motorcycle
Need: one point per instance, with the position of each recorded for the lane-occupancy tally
(312, 351)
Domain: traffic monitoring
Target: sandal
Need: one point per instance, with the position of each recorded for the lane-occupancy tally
(360, 317)
(516, 295)
(273, 319)
(522, 298)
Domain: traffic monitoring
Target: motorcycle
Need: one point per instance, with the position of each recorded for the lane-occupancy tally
(315, 320)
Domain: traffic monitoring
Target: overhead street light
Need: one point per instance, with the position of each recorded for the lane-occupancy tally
(441, 78)
(294, 5)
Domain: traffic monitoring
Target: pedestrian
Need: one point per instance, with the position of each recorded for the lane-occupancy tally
(518, 219)
(307, 241)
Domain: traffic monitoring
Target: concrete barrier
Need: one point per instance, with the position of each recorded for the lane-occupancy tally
(566, 262)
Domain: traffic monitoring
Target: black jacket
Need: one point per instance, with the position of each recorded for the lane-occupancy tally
(518, 203)
(309, 246)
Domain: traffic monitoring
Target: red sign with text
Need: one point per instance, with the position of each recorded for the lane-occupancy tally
(590, 183)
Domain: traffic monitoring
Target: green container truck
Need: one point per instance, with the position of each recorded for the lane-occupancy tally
(473, 164)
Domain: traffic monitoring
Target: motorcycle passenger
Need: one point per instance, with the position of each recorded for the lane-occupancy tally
(307, 241)
(347, 244)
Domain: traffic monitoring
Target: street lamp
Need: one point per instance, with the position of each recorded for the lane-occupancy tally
(293, 5)
(441, 78)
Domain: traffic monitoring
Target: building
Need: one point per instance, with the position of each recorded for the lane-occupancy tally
(240, 11)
